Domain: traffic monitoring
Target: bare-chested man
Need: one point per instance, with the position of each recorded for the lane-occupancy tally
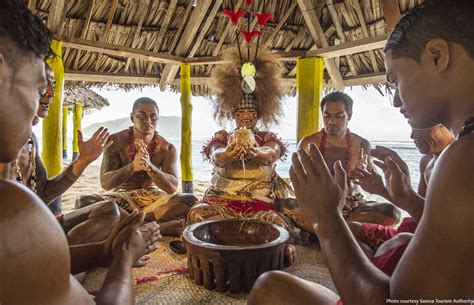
(34, 258)
(141, 167)
(385, 245)
(337, 143)
(429, 59)
(91, 224)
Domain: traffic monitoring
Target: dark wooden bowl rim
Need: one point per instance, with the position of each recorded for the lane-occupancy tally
(188, 235)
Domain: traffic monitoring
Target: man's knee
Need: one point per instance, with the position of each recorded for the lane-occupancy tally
(86, 200)
(187, 199)
(267, 287)
(105, 208)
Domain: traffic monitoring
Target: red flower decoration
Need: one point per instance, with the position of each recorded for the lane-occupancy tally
(249, 36)
(262, 18)
(249, 2)
(234, 16)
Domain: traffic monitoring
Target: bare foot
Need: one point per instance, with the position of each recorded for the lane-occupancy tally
(172, 227)
(290, 255)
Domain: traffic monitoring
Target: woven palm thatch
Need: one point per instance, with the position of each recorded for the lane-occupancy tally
(88, 98)
(135, 43)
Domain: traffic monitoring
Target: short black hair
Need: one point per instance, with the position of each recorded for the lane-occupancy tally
(450, 20)
(145, 100)
(338, 96)
(22, 33)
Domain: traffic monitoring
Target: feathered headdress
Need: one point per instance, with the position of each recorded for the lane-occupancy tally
(233, 83)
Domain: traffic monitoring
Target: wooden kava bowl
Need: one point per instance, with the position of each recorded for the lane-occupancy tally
(231, 254)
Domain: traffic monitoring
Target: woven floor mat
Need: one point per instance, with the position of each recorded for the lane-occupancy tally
(163, 280)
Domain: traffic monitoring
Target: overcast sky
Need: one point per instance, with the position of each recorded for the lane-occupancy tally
(374, 118)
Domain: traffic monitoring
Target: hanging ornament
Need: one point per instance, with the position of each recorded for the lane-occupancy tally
(262, 18)
(249, 36)
(234, 16)
(248, 85)
(248, 69)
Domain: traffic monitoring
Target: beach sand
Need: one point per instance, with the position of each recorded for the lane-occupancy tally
(89, 182)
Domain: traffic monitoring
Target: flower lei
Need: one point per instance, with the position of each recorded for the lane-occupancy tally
(152, 148)
(31, 181)
(322, 148)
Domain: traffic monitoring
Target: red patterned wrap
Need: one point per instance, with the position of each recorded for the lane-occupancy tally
(238, 206)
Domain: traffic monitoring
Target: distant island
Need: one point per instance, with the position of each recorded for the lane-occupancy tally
(168, 126)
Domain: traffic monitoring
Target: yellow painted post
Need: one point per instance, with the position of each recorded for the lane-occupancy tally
(77, 120)
(52, 127)
(309, 83)
(186, 123)
(65, 116)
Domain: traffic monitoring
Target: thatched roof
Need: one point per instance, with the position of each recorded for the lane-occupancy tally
(88, 98)
(132, 43)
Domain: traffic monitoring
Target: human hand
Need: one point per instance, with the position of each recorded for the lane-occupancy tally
(320, 195)
(138, 164)
(396, 174)
(251, 153)
(135, 238)
(91, 149)
(233, 151)
(362, 160)
(369, 180)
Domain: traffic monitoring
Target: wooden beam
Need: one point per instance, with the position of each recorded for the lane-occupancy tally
(312, 21)
(85, 29)
(365, 31)
(57, 13)
(105, 32)
(391, 13)
(115, 50)
(205, 28)
(296, 39)
(280, 24)
(151, 79)
(228, 27)
(349, 48)
(194, 23)
(136, 35)
(340, 33)
(164, 26)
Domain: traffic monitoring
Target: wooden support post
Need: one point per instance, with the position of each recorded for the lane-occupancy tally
(65, 116)
(309, 82)
(52, 144)
(186, 124)
(77, 120)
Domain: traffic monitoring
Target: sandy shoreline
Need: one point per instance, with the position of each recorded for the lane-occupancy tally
(89, 182)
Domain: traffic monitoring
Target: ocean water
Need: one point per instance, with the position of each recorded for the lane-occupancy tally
(202, 169)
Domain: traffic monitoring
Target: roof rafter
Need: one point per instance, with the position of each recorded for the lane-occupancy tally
(116, 50)
(169, 13)
(317, 33)
(365, 31)
(194, 23)
(105, 32)
(280, 24)
(363, 79)
(340, 33)
(85, 29)
(136, 35)
(56, 16)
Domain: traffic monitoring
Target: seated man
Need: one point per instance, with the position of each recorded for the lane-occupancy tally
(385, 245)
(429, 58)
(86, 225)
(35, 260)
(140, 166)
(337, 143)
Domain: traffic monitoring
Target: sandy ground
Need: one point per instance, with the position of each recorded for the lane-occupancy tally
(89, 183)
